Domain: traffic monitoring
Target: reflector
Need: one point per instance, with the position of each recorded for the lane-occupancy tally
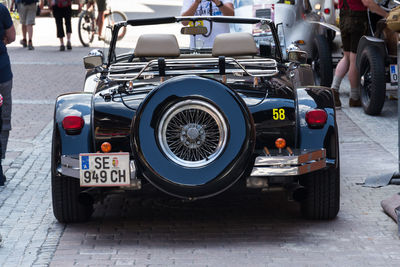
(73, 123)
(106, 147)
(327, 11)
(316, 118)
(280, 143)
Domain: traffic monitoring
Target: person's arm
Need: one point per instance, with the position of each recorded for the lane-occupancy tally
(374, 7)
(9, 35)
(190, 11)
(226, 9)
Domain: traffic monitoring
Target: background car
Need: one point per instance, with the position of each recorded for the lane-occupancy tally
(193, 123)
(327, 9)
(377, 63)
(297, 24)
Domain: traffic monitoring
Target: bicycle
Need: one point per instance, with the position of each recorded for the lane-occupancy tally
(87, 26)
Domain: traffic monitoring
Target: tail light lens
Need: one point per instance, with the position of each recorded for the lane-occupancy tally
(316, 118)
(73, 124)
(327, 11)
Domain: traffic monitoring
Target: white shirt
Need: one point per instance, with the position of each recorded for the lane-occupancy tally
(204, 10)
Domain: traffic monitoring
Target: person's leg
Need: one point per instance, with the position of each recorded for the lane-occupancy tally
(354, 80)
(58, 16)
(100, 22)
(101, 6)
(29, 29)
(5, 91)
(22, 17)
(30, 21)
(341, 70)
(68, 26)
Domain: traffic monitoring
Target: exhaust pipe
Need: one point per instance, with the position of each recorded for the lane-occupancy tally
(85, 198)
(297, 193)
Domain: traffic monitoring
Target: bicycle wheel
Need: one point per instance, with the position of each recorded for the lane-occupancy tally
(109, 20)
(86, 27)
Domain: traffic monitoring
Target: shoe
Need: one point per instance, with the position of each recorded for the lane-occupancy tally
(69, 46)
(354, 103)
(336, 98)
(23, 43)
(62, 47)
(101, 38)
(30, 45)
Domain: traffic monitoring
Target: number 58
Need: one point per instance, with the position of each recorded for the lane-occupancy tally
(278, 114)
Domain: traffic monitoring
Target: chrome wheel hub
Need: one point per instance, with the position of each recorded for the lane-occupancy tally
(192, 133)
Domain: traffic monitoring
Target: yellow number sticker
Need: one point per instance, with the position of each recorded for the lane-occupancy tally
(278, 114)
(197, 23)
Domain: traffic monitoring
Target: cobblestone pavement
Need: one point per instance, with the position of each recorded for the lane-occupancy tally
(150, 229)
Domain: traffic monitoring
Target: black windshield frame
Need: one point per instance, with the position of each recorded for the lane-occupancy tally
(167, 20)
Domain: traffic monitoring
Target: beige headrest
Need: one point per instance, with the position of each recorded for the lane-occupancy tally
(234, 44)
(157, 45)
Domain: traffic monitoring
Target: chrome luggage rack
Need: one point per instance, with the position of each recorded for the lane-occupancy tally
(198, 66)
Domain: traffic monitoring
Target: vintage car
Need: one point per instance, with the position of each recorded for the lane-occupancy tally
(194, 122)
(377, 63)
(296, 23)
(327, 9)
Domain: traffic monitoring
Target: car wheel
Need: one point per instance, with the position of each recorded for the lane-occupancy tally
(65, 191)
(322, 199)
(322, 61)
(373, 83)
(194, 136)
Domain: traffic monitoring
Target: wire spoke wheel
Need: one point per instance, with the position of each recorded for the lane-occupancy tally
(366, 82)
(86, 28)
(110, 20)
(192, 133)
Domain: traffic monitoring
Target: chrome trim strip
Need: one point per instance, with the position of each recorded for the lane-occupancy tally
(304, 162)
(290, 160)
(288, 171)
(70, 166)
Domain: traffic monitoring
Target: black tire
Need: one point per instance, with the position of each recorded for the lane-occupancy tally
(322, 61)
(65, 191)
(111, 19)
(322, 199)
(194, 136)
(86, 28)
(373, 82)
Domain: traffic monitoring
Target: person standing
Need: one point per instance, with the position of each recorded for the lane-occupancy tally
(62, 10)
(203, 8)
(27, 14)
(353, 25)
(7, 36)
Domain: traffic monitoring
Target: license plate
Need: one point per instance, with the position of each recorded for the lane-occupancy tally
(104, 169)
(393, 73)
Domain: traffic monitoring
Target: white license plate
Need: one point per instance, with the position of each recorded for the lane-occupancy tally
(393, 73)
(104, 169)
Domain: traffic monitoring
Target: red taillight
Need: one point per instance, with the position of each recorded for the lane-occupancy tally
(327, 11)
(316, 118)
(73, 124)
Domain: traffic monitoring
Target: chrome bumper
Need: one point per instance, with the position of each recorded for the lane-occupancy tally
(301, 162)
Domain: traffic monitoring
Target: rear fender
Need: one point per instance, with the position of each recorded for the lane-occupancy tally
(317, 97)
(75, 104)
(370, 41)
